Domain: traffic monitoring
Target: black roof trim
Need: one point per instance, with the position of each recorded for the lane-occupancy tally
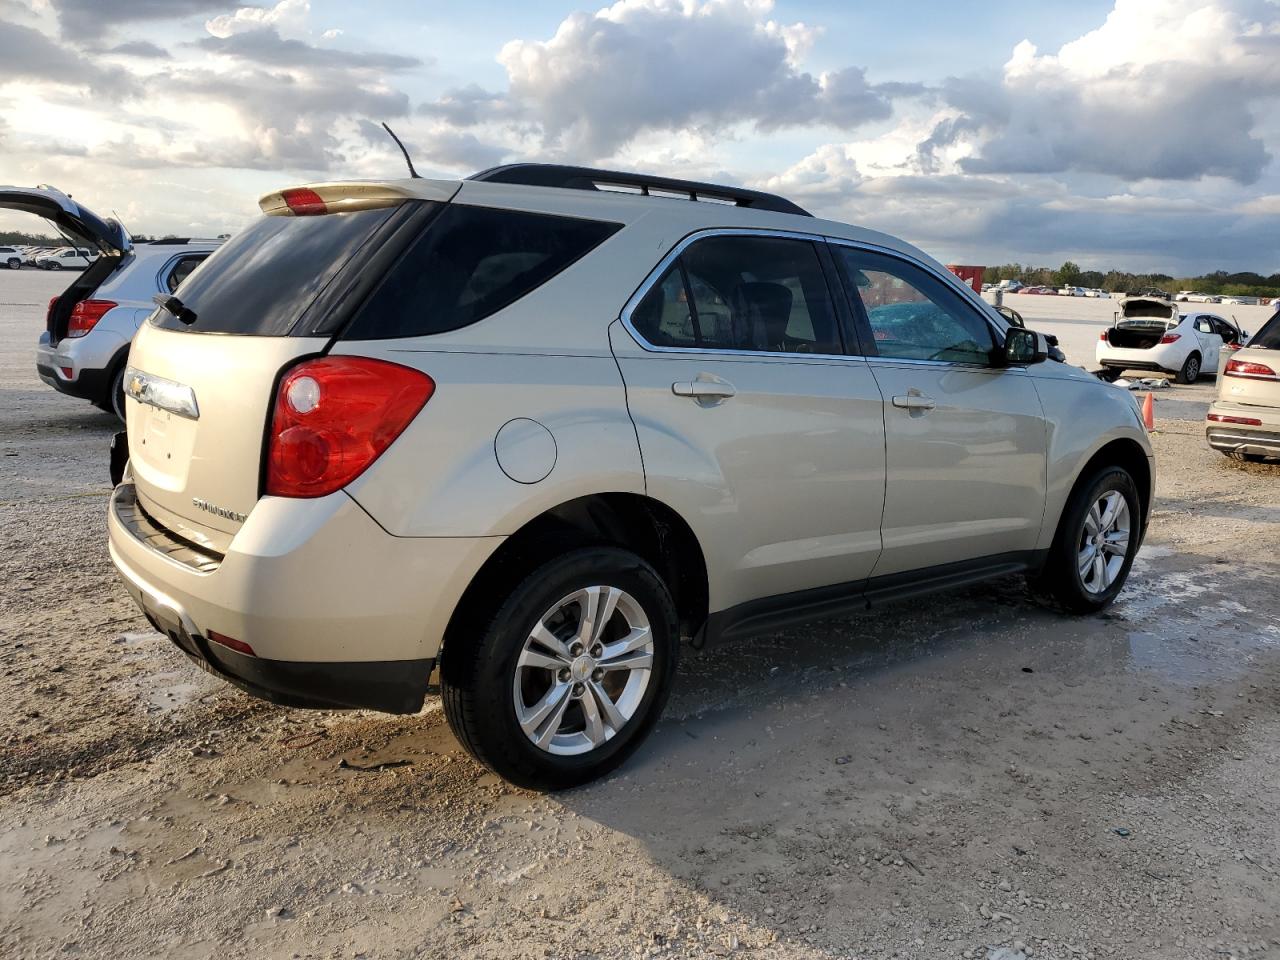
(177, 241)
(588, 178)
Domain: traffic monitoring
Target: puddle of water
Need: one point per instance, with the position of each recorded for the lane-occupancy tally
(165, 692)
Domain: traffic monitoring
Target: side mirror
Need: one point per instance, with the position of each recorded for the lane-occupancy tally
(1023, 346)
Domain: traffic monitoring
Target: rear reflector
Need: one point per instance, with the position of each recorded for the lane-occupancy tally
(231, 643)
(304, 202)
(86, 315)
(67, 372)
(1249, 370)
(1245, 421)
(333, 417)
(1171, 338)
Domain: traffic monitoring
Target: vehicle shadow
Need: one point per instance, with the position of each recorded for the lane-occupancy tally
(805, 782)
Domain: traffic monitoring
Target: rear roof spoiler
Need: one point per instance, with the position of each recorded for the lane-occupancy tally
(588, 178)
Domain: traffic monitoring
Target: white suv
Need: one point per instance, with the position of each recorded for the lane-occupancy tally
(534, 430)
(84, 348)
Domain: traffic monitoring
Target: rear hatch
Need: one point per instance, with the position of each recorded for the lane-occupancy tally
(1252, 375)
(1141, 323)
(82, 228)
(204, 370)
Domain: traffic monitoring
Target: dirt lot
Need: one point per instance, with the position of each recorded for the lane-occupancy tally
(970, 776)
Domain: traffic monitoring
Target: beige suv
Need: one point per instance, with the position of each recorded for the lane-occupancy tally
(538, 426)
(1244, 423)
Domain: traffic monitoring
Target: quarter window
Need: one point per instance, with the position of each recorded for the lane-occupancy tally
(912, 315)
(468, 264)
(756, 294)
(181, 270)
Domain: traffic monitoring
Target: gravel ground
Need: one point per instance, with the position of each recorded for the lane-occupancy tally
(969, 776)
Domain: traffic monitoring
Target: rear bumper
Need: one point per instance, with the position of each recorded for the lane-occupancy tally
(1156, 359)
(389, 686)
(91, 366)
(1262, 440)
(339, 613)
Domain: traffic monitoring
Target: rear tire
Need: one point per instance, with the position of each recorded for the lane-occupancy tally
(501, 672)
(117, 394)
(1190, 371)
(1077, 543)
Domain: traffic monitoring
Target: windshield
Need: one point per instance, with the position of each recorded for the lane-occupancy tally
(261, 281)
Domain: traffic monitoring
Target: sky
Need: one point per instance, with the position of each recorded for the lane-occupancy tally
(1139, 134)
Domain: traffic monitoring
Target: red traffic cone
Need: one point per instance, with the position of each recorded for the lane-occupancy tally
(1149, 411)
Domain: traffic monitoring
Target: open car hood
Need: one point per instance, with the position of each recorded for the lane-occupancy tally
(108, 237)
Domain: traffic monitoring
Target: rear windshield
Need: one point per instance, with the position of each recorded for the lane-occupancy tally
(469, 263)
(1268, 338)
(261, 281)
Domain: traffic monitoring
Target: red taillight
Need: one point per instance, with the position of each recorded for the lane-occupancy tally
(53, 302)
(1250, 370)
(86, 314)
(1171, 338)
(1103, 336)
(304, 202)
(231, 643)
(1246, 421)
(336, 415)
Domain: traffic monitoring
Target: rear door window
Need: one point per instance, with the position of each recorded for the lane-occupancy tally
(753, 294)
(261, 281)
(468, 264)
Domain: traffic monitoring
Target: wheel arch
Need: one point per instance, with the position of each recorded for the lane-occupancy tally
(633, 521)
(1120, 452)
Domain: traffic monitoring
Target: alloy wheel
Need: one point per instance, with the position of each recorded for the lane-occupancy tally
(1104, 542)
(583, 670)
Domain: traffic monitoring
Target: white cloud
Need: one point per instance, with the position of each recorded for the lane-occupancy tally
(603, 79)
(287, 16)
(1164, 89)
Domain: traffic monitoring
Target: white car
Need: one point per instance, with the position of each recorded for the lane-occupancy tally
(1097, 294)
(66, 258)
(1071, 291)
(84, 349)
(11, 257)
(1151, 334)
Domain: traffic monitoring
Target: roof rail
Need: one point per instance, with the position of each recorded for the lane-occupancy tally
(588, 178)
(175, 241)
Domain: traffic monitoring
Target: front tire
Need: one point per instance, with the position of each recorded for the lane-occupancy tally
(1190, 371)
(1096, 541)
(568, 676)
(14, 263)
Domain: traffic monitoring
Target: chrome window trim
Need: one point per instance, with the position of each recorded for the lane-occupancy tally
(657, 272)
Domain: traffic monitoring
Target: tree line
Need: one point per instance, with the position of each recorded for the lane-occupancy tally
(1218, 283)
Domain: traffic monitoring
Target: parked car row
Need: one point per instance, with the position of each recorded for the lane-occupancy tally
(46, 258)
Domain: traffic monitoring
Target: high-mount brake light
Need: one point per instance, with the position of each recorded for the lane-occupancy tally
(304, 202)
(1171, 338)
(334, 416)
(1249, 370)
(86, 314)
